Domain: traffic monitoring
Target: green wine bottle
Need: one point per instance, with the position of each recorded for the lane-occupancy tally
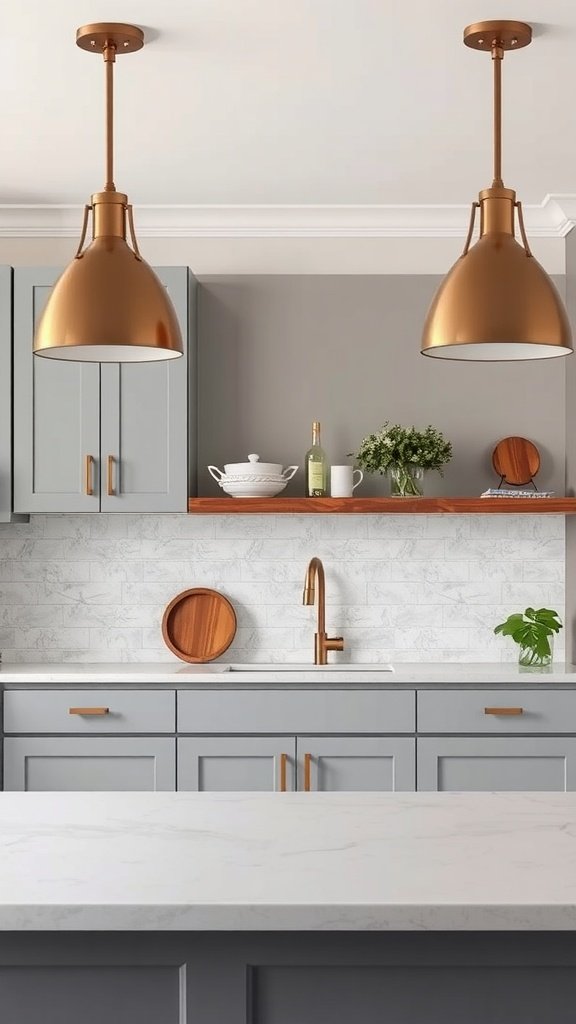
(316, 466)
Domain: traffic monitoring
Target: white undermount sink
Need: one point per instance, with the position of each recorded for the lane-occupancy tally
(350, 668)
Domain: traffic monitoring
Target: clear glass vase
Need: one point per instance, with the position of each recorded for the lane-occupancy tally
(530, 661)
(406, 481)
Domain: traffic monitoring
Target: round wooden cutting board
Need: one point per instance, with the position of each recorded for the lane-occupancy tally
(199, 625)
(516, 460)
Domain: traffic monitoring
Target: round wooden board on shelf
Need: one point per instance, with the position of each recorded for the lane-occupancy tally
(516, 460)
(199, 625)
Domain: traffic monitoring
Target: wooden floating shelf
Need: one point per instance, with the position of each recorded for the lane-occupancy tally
(383, 506)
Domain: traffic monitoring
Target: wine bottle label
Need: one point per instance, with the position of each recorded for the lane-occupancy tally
(316, 484)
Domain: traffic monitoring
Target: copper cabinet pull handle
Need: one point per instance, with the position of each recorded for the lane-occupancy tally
(88, 711)
(88, 475)
(503, 711)
(307, 772)
(110, 476)
(283, 767)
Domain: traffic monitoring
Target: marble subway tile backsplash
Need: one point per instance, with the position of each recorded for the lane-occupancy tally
(400, 588)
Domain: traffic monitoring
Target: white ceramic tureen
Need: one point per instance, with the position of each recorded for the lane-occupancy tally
(252, 479)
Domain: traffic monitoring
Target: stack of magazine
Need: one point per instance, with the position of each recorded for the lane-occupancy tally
(495, 492)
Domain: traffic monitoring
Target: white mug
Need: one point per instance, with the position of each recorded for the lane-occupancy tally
(342, 481)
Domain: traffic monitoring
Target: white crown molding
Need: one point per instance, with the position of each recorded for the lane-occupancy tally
(554, 217)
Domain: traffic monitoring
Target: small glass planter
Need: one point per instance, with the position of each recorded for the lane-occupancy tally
(530, 661)
(406, 481)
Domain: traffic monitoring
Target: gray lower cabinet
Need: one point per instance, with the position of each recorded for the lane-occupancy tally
(318, 763)
(477, 763)
(87, 438)
(236, 763)
(355, 763)
(94, 739)
(88, 764)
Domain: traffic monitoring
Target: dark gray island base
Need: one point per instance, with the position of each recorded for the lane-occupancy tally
(287, 978)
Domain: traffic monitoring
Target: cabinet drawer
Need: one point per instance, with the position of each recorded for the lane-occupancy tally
(121, 711)
(496, 711)
(296, 711)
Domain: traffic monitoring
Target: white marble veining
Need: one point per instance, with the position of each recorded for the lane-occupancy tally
(218, 675)
(401, 588)
(295, 861)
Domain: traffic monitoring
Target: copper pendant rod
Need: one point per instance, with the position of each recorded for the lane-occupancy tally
(109, 59)
(497, 58)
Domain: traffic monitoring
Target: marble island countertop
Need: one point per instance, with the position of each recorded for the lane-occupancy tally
(218, 675)
(327, 862)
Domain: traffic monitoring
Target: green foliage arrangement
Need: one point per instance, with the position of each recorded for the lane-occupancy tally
(396, 446)
(532, 631)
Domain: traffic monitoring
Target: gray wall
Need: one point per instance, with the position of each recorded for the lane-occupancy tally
(277, 352)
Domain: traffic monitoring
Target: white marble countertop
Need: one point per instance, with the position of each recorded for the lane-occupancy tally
(297, 861)
(218, 675)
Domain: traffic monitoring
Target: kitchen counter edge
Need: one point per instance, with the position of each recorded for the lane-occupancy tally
(180, 676)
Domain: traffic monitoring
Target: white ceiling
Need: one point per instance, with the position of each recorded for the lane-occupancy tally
(285, 102)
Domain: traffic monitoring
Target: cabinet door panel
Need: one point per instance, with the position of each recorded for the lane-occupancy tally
(89, 764)
(243, 763)
(358, 763)
(68, 994)
(56, 413)
(144, 422)
(513, 763)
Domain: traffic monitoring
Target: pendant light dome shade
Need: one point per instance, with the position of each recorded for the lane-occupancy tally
(497, 302)
(109, 305)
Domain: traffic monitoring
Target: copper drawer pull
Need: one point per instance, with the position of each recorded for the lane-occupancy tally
(503, 711)
(88, 711)
(110, 476)
(283, 766)
(307, 772)
(88, 475)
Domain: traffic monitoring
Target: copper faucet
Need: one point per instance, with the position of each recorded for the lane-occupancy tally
(322, 643)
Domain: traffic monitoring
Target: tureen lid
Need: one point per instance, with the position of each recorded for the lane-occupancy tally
(254, 467)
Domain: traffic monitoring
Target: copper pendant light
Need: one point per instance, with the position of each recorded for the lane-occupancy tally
(497, 302)
(109, 305)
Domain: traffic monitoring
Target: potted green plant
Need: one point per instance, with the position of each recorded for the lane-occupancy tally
(534, 632)
(405, 454)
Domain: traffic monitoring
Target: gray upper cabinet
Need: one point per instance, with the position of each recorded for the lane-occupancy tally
(89, 438)
(56, 414)
(6, 398)
(144, 424)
